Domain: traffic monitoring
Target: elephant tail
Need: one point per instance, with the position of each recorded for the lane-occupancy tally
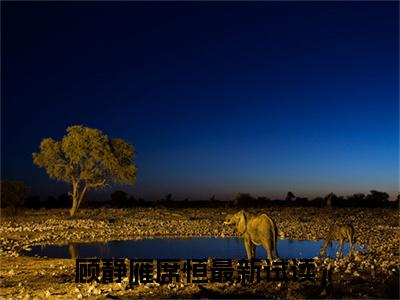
(275, 236)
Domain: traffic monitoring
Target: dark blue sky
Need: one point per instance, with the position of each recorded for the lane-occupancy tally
(217, 98)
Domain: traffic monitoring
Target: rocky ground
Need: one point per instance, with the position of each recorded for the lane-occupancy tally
(372, 274)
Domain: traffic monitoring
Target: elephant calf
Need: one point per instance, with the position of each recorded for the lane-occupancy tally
(255, 231)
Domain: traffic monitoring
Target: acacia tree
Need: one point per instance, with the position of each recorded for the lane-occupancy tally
(87, 159)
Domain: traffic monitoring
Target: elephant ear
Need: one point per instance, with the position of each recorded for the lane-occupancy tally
(242, 224)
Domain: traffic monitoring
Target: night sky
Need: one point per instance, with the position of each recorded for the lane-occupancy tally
(217, 98)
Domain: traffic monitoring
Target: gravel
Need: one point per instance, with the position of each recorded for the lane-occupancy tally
(370, 274)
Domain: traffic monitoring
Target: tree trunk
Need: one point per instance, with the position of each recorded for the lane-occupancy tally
(74, 208)
(73, 251)
(75, 198)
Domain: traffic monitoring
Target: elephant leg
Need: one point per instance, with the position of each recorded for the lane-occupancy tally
(322, 252)
(248, 247)
(276, 250)
(253, 251)
(351, 244)
(268, 250)
(270, 255)
(341, 248)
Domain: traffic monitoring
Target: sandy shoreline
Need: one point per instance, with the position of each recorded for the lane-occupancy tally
(365, 275)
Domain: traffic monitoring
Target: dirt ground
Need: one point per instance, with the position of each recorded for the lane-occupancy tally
(371, 274)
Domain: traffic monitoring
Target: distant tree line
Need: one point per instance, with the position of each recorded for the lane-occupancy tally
(87, 159)
(15, 195)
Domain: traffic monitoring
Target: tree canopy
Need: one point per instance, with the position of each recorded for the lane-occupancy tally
(87, 159)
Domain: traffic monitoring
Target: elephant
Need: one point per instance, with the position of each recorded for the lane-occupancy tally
(338, 233)
(255, 231)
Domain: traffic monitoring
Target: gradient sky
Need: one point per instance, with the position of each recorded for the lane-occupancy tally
(217, 98)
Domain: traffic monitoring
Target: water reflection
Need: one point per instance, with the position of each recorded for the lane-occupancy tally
(73, 250)
(183, 248)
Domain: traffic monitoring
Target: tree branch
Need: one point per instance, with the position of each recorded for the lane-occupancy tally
(96, 185)
(82, 194)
